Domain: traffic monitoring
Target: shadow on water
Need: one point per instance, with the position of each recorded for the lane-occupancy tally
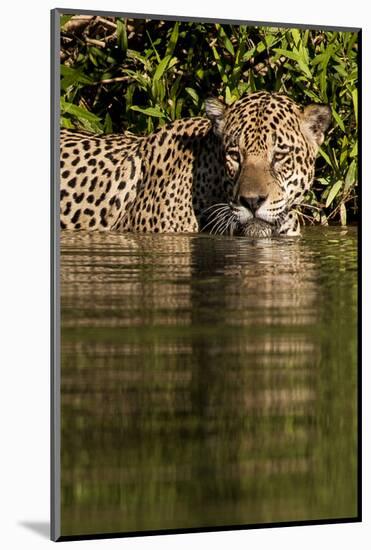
(207, 380)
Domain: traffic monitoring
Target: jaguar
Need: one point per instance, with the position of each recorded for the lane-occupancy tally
(243, 169)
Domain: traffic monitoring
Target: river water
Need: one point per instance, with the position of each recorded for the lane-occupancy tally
(207, 381)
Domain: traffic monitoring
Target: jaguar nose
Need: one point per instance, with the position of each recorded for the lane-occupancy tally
(253, 202)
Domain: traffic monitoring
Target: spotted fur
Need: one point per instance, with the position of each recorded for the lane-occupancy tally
(240, 171)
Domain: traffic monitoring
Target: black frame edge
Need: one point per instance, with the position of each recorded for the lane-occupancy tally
(359, 293)
(131, 534)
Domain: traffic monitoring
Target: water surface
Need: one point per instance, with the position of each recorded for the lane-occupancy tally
(207, 381)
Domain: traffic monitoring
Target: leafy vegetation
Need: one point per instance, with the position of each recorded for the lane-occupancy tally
(131, 74)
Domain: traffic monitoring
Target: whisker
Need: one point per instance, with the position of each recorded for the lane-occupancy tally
(215, 219)
(212, 221)
(220, 225)
(309, 206)
(219, 228)
(214, 229)
(229, 224)
(214, 205)
(220, 219)
(219, 209)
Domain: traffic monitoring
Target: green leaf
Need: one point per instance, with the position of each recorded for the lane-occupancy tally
(248, 55)
(355, 103)
(343, 214)
(194, 95)
(228, 45)
(90, 126)
(87, 120)
(107, 126)
(149, 111)
(153, 47)
(161, 92)
(323, 79)
(229, 96)
(161, 68)
(65, 19)
(200, 73)
(296, 36)
(133, 54)
(173, 61)
(354, 151)
(78, 112)
(338, 119)
(175, 88)
(333, 192)
(352, 41)
(340, 69)
(293, 53)
(325, 156)
(311, 94)
(295, 56)
(224, 39)
(141, 77)
(66, 123)
(318, 59)
(323, 219)
(261, 47)
(216, 54)
(304, 67)
(122, 37)
(350, 178)
(72, 76)
(173, 40)
(179, 107)
(92, 56)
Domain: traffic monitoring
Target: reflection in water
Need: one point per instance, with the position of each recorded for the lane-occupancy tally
(207, 380)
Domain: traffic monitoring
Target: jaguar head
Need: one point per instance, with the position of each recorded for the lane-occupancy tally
(269, 145)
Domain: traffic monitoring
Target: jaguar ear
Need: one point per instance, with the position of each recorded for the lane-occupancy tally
(316, 120)
(215, 111)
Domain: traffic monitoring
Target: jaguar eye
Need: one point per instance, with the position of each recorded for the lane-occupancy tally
(277, 157)
(234, 155)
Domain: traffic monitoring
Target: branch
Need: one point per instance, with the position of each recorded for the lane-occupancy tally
(111, 80)
(106, 23)
(77, 22)
(95, 42)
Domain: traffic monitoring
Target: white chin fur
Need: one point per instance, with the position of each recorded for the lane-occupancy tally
(265, 216)
(242, 214)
